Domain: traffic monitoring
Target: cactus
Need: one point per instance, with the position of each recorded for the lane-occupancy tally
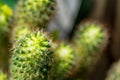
(114, 72)
(5, 14)
(90, 39)
(32, 57)
(92, 36)
(19, 31)
(64, 61)
(3, 76)
(35, 12)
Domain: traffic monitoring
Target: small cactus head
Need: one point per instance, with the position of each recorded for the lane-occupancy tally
(91, 35)
(32, 57)
(64, 60)
(35, 12)
(5, 14)
(114, 72)
(90, 40)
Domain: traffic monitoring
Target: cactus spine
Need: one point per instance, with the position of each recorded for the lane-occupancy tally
(90, 39)
(64, 61)
(32, 57)
(35, 12)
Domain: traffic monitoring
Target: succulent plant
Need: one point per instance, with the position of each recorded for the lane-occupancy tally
(65, 57)
(90, 39)
(35, 12)
(91, 35)
(32, 57)
(114, 72)
(19, 31)
(5, 14)
(3, 76)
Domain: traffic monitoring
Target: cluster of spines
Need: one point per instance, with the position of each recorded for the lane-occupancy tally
(37, 13)
(91, 35)
(64, 59)
(32, 57)
(90, 39)
(114, 72)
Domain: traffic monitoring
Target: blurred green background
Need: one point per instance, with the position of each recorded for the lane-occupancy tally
(11, 3)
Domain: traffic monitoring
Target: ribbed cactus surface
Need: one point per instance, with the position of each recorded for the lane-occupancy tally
(32, 57)
(35, 12)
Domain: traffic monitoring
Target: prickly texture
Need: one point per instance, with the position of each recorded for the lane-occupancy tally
(64, 61)
(5, 14)
(32, 57)
(3, 76)
(114, 72)
(35, 12)
(19, 31)
(90, 39)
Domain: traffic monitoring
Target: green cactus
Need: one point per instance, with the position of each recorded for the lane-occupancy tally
(114, 72)
(35, 12)
(92, 35)
(19, 31)
(65, 57)
(5, 14)
(32, 57)
(3, 76)
(90, 39)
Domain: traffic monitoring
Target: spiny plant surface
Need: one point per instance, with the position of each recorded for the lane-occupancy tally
(3, 76)
(64, 61)
(19, 31)
(5, 14)
(35, 12)
(91, 35)
(114, 72)
(90, 38)
(32, 57)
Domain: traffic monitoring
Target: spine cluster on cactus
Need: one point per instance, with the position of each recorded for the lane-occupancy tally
(64, 61)
(5, 14)
(32, 57)
(91, 35)
(35, 12)
(114, 72)
(19, 31)
(3, 76)
(89, 39)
